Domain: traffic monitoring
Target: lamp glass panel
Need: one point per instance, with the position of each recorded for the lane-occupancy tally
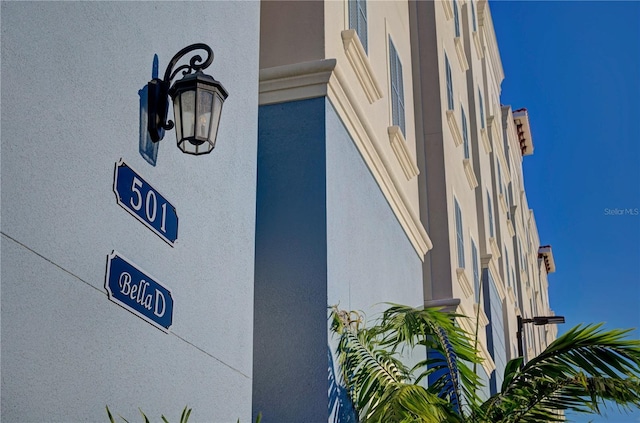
(177, 116)
(205, 102)
(187, 102)
(215, 121)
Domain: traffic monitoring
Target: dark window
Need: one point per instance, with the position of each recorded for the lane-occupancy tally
(358, 20)
(397, 90)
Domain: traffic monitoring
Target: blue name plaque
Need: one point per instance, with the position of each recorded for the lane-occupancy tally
(133, 289)
(145, 203)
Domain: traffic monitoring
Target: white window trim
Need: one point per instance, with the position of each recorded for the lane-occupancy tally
(453, 126)
(399, 146)
(361, 65)
(467, 288)
(483, 320)
(470, 173)
(476, 40)
(462, 57)
(485, 140)
(391, 109)
(448, 9)
(495, 250)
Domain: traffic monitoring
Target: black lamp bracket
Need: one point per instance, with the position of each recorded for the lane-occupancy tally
(195, 64)
(158, 93)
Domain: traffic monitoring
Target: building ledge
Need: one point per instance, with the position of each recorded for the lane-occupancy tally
(462, 57)
(523, 131)
(470, 173)
(478, 43)
(300, 81)
(399, 146)
(360, 63)
(453, 126)
(467, 289)
(485, 140)
(545, 253)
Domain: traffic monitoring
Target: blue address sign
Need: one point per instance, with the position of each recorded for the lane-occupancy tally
(145, 203)
(133, 289)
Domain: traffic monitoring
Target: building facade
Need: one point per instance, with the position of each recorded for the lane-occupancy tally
(363, 157)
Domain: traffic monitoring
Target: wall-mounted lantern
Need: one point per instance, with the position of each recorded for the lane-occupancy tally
(197, 103)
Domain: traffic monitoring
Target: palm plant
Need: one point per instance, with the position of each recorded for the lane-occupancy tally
(579, 371)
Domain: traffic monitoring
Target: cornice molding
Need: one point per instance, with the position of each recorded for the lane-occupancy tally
(365, 140)
(321, 78)
(299, 81)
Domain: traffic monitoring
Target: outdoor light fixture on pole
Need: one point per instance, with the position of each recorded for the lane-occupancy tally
(197, 103)
(538, 321)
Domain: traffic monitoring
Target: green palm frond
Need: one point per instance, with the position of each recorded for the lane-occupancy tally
(411, 403)
(579, 371)
(453, 348)
(368, 371)
(381, 387)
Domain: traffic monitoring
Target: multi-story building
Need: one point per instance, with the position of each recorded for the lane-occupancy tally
(368, 138)
(484, 262)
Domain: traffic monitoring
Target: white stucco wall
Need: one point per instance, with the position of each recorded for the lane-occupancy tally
(71, 73)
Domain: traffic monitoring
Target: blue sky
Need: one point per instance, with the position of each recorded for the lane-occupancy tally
(575, 65)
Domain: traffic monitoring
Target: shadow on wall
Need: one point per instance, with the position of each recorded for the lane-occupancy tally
(147, 148)
(340, 407)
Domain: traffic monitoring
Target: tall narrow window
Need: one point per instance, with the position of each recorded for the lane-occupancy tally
(490, 209)
(397, 90)
(465, 134)
(499, 178)
(456, 18)
(473, 16)
(358, 19)
(481, 107)
(459, 234)
(476, 272)
(449, 83)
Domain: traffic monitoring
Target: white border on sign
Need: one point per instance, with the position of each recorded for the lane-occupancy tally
(110, 257)
(147, 224)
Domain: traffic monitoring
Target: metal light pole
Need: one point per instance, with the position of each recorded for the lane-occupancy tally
(538, 321)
